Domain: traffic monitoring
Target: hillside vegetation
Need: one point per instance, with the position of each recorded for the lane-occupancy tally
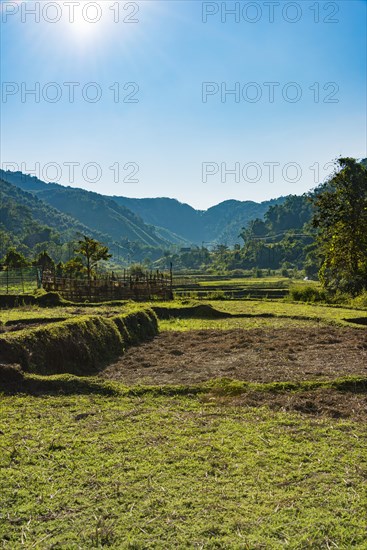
(93, 210)
(30, 224)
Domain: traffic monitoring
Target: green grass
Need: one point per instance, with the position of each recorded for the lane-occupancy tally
(91, 471)
(280, 315)
(79, 345)
(27, 313)
(253, 282)
(183, 325)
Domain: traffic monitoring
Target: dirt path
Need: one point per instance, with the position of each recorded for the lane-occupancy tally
(258, 355)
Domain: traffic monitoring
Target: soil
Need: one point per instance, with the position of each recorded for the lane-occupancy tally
(256, 356)
(259, 355)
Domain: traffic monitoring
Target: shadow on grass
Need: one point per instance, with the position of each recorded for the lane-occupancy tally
(14, 381)
(206, 311)
(57, 385)
(357, 321)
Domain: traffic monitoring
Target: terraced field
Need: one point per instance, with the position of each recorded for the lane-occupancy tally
(242, 424)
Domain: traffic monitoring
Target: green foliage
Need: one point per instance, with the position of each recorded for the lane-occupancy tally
(360, 301)
(32, 225)
(219, 223)
(92, 213)
(307, 293)
(341, 220)
(93, 252)
(294, 213)
(74, 268)
(44, 262)
(137, 270)
(15, 260)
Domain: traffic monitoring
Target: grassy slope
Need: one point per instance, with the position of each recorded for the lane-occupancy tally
(164, 472)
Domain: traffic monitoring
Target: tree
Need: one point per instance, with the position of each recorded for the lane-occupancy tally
(73, 267)
(341, 219)
(15, 260)
(137, 271)
(44, 262)
(93, 252)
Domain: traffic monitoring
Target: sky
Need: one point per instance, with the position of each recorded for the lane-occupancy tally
(198, 101)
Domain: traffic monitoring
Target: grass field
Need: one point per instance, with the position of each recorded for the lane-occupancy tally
(256, 314)
(256, 311)
(256, 282)
(274, 459)
(177, 472)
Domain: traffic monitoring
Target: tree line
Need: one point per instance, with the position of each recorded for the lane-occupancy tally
(88, 253)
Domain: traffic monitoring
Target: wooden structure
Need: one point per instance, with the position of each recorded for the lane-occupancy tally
(142, 287)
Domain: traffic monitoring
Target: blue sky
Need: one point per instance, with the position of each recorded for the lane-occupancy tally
(168, 140)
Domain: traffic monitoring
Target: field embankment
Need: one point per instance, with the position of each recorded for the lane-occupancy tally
(81, 345)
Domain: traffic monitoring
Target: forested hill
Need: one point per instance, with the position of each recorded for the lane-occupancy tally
(26, 220)
(221, 223)
(157, 222)
(95, 211)
(224, 220)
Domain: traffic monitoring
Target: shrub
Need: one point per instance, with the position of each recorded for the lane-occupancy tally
(360, 301)
(307, 293)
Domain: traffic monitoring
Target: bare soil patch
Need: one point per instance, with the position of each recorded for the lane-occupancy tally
(259, 355)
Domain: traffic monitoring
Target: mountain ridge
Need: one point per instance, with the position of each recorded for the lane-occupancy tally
(153, 222)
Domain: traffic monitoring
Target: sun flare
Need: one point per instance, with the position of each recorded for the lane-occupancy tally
(84, 22)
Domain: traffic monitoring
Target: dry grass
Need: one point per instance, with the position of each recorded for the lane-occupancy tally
(258, 355)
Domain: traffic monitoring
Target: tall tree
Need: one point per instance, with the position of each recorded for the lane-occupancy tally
(341, 219)
(93, 252)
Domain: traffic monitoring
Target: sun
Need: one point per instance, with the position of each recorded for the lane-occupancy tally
(86, 19)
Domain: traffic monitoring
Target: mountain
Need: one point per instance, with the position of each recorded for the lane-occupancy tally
(25, 215)
(221, 223)
(154, 223)
(95, 211)
(170, 214)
